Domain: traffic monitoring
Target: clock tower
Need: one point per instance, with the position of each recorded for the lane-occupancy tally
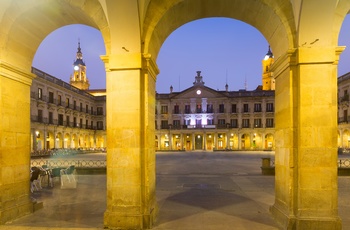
(268, 81)
(78, 78)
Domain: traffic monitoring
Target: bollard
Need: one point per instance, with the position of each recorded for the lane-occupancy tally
(266, 168)
(266, 162)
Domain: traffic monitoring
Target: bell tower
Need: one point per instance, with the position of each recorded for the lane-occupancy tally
(78, 78)
(268, 81)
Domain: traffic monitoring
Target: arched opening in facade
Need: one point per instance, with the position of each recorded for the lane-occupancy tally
(300, 53)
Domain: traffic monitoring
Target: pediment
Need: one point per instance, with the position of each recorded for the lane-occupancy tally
(199, 92)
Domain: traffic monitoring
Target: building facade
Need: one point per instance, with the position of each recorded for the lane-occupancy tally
(67, 115)
(343, 111)
(201, 118)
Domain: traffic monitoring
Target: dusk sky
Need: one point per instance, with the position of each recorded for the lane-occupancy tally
(224, 50)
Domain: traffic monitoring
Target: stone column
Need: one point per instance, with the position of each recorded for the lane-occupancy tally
(34, 142)
(193, 141)
(15, 144)
(131, 201)
(45, 138)
(204, 141)
(239, 141)
(306, 182)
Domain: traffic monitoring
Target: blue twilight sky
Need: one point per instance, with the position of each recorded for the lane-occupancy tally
(224, 50)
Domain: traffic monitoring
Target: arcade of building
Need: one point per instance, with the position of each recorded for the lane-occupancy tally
(70, 115)
(303, 35)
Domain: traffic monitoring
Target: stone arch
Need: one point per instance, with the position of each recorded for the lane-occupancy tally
(28, 25)
(304, 43)
(269, 141)
(245, 141)
(160, 22)
(67, 141)
(346, 138)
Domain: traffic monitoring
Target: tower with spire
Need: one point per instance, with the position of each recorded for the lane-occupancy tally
(268, 81)
(78, 78)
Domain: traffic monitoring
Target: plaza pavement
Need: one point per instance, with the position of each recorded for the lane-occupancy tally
(195, 191)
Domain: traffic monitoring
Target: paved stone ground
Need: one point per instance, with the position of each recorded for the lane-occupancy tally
(195, 190)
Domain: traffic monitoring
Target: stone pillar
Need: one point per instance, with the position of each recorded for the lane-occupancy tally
(306, 182)
(239, 141)
(131, 201)
(204, 141)
(15, 142)
(170, 140)
(228, 140)
(193, 141)
(34, 143)
(263, 144)
(45, 138)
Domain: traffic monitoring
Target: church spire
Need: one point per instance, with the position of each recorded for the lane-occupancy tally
(78, 78)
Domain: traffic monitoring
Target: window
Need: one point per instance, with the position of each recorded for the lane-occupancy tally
(50, 97)
(176, 124)
(245, 123)
(92, 125)
(269, 107)
(40, 115)
(67, 102)
(40, 93)
(59, 100)
(74, 121)
(60, 119)
(198, 108)
(68, 121)
(86, 109)
(81, 107)
(86, 124)
(187, 109)
(187, 122)
(221, 108)
(164, 109)
(81, 123)
(257, 107)
(269, 122)
(176, 109)
(50, 118)
(198, 123)
(100, 125)
(234, 123)
(92, 110)
(164, 124)
(99, 110)
(75, 104)
(210, 108)
(234, 108)
(221, 122)
(245, 108)
(257, 123)
(210, 121)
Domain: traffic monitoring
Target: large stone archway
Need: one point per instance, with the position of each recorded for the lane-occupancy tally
(303, 36)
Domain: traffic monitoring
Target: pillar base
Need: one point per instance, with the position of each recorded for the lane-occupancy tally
(16, 211)
(293, 223)
(117, 220)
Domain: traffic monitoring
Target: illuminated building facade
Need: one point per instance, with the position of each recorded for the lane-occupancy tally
(67, 115)
(343, 111)
(201, 118)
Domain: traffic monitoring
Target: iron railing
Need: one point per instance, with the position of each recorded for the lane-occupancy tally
(66, 163)
(344, 163)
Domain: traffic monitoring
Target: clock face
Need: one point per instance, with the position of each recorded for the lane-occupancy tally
(199, 92)
(76, 67)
